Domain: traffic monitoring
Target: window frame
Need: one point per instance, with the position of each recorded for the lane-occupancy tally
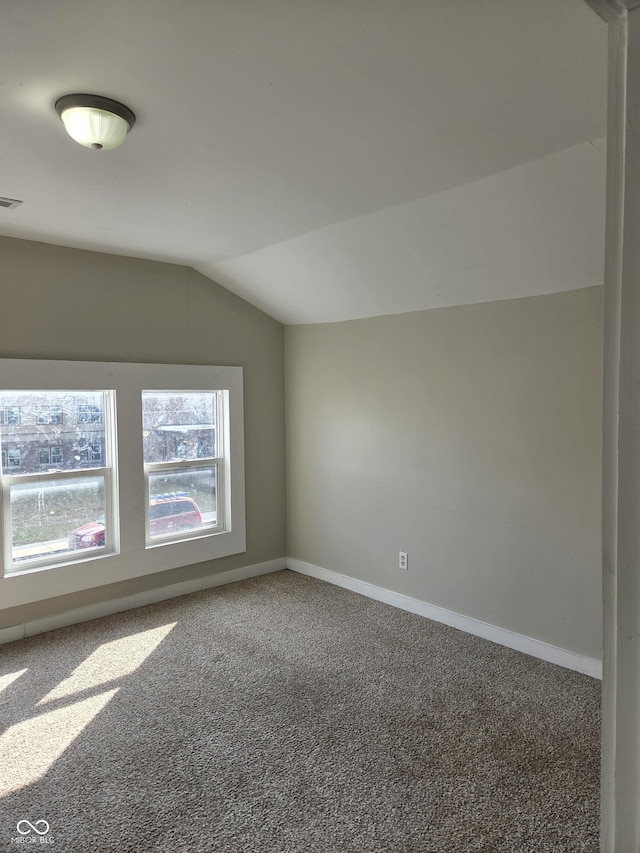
(131, 558)
(49, 419)
(108, 472)
(4, 417)
(86, 414)
(217, 461)
(5, 454)
(183, 465)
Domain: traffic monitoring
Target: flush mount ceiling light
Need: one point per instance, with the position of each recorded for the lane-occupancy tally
(94, 121)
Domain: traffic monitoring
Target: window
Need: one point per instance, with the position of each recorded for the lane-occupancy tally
(11, 458)
(88, 452)
(49, 415)
(88, 414)
(50, 455)
(42, 504)
(107, 480)
(183, 468)
(9, 415)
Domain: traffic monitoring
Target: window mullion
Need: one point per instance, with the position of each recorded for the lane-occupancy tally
(11, 480)
(153, 467)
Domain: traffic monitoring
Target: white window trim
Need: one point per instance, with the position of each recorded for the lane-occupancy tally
(132, 557)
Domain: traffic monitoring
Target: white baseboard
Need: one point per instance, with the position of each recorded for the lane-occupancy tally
(8, 635)
(502, 636)
(139, 599)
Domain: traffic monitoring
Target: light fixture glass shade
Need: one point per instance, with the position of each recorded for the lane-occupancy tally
(95, 121)
(95, 128)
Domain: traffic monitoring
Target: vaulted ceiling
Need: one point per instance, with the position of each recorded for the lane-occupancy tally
(324, 159)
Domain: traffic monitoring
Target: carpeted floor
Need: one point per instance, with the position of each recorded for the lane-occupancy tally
(285, 715)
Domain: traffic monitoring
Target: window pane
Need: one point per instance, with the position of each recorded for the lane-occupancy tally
(60, 430)
(9, 415)
(89, 414)
(56, 516)
(182, 499)
(179, 425)
(49, 415)
(11, 459)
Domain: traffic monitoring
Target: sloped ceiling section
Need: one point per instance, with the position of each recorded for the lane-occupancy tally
(528, 231)
(324, 160)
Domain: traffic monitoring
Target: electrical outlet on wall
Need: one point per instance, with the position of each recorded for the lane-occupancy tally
(403, 560)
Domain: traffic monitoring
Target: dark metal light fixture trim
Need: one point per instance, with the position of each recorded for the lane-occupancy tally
(96, 102)
(91, 128)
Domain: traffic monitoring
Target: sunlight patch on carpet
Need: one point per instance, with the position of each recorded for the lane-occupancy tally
(109, 662)
(30, 748)
(9, 678)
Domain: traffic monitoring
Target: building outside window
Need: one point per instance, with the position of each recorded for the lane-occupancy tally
(68, 434)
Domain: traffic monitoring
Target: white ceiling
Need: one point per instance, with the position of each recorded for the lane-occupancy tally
(325, 159)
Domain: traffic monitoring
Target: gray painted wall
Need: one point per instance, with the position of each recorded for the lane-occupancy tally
(469, 437)
(67, 304)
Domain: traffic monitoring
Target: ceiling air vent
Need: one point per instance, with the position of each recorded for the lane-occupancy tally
(10, 202)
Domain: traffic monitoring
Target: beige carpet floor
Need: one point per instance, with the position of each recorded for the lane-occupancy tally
(285, 715)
